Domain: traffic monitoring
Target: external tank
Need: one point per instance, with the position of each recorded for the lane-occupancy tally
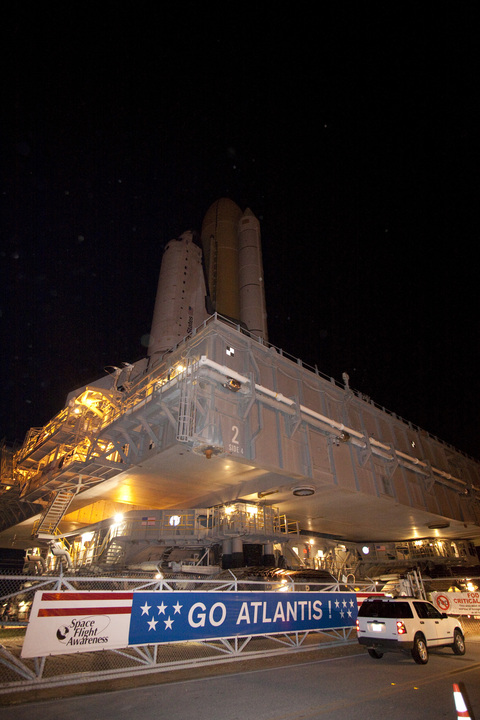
(220, 246)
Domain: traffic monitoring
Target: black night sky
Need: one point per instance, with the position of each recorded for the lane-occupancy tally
(351, 132)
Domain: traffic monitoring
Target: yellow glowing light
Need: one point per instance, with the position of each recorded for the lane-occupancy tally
(118, 518)
(285, 586)
(229, 510)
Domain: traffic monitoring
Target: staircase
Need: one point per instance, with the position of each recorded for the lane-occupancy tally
(166, 555)
(115, 553)
(53, 514)
(291, 558)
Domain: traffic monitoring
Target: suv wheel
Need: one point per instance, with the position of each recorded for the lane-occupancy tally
(419, 650)
(458, 646)
(375, 654)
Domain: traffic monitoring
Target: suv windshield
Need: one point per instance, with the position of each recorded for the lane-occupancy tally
(385, 609)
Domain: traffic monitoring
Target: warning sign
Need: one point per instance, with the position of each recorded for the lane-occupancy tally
(457, 603)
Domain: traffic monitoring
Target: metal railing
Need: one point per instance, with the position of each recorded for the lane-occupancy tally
(17, 592)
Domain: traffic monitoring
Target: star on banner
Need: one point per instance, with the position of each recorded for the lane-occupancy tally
(152, 624)
(168, 623)
(145, 609)
(177, 607)
(162, 608)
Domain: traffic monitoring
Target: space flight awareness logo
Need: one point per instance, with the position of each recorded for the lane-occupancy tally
(176, 616)
(77, 621)
(88, 631)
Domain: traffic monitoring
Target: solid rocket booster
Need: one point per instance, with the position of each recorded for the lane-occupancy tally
(180, 301)
(253, 311)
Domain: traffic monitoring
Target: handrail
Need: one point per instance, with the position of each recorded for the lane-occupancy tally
(357, 393)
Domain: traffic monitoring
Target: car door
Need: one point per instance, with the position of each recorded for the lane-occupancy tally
(444, 625)
(429, 622)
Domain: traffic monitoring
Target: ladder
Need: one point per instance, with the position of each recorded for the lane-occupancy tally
(186, 409)
(53, 514)
(416, 583)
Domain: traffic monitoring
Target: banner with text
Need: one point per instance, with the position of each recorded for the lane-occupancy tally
(69, 622)
(170, 617)
(457, 603)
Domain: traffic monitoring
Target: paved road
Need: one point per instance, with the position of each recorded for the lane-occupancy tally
(352, 687)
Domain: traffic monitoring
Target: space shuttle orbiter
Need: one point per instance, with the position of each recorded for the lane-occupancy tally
(222, 273)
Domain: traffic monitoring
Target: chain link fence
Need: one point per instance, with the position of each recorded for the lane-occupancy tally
(16, 598)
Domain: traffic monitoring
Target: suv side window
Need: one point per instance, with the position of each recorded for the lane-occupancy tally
(402, 610)
(427, 610)
(421, 609)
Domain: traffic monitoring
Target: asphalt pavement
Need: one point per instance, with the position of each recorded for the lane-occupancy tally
(347, 684)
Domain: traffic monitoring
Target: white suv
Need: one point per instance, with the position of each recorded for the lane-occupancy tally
(385, 623)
